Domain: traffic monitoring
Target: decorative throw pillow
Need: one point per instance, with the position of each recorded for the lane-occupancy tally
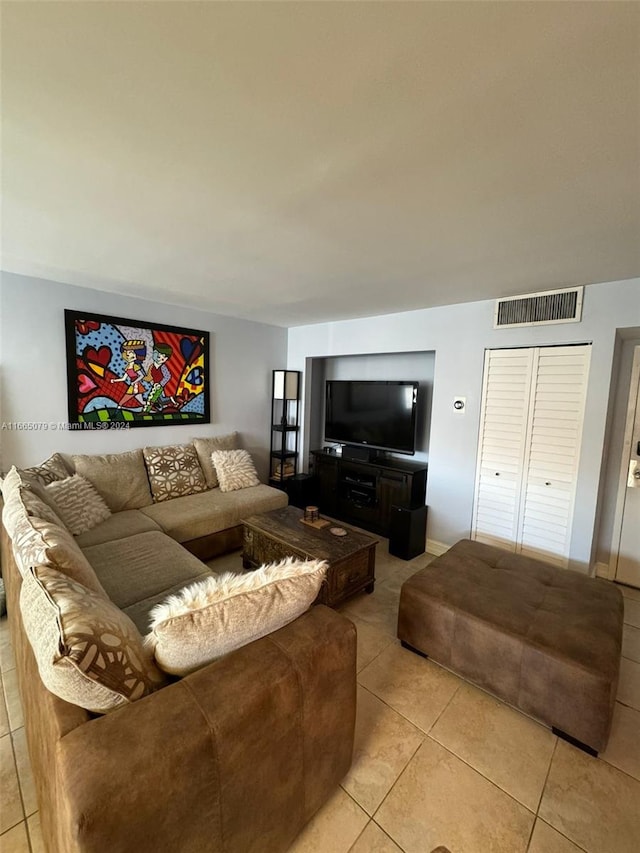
(235, 470)
(38, 541)
(32, 494)
(78, 504)
(174, 471)
(213, 617)
(54, 468)
(11, 482)
(205, 447)
(88, 651)
(39, 507)
(14, 509)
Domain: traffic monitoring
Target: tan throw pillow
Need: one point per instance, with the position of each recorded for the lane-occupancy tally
(120, 478)
(235, 470)
(11, 483)
(205, 447)
(213, 617)
(174, 471)
(78, 504)
(38, 541)
(54, 468)
(39, 507)
(88, 651)
(30, 495)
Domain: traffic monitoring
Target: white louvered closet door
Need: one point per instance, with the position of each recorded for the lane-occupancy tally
(558, 392)
(551, 412)
(503, 436)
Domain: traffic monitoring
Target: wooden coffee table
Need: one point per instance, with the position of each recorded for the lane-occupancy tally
(271, 536)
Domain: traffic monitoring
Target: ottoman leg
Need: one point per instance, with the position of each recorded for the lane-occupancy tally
(575, 742)
(411, 649)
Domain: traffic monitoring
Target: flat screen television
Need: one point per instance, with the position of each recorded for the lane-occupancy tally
(376, 414)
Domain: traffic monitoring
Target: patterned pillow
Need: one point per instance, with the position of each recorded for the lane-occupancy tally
(39, 541)
(213, 617)
(235, 470)
(52, 469)
(29, 495)
(88, 651)
(173, 471)
(40, 507)
(205, 447)
(78, 504)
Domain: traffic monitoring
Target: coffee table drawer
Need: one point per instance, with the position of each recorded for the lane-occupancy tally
(351, 575)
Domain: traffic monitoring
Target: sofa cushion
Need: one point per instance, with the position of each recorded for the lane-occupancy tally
(173, 471)
(141, 566)
(78, 503)
(121, 478)
(53, 468)
(220, 614)
(38, 507)
(42, 543)
(38, 541)
(205, 447)
(31, 493)
(11, 482)
(27, 494)
(118, 526)
(88, 651)
(235, 470)
(140, 611)
(209, 512)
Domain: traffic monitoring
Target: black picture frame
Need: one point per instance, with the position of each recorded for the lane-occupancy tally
(117, 372)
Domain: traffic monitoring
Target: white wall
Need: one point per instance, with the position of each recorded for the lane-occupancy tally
(459, 335)
(34, 379)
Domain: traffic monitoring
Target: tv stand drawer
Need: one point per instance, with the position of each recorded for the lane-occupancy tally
(360, 514)
(354, 474)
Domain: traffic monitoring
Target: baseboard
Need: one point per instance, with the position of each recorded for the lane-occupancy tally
(602, 570)
(436, 548)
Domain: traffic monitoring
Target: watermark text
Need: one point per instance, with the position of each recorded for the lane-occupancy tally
(60, 426)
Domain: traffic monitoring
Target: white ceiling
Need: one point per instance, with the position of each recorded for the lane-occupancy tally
(304, 162)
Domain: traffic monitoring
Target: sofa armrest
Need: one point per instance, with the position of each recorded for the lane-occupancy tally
(235, 757)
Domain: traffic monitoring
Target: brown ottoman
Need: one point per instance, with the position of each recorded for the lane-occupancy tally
(545, 640)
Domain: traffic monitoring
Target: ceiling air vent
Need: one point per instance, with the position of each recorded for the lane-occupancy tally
(538, 309)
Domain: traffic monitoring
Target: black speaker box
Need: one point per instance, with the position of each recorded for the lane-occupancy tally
(302, 490)
(407, 531)
(353, 453)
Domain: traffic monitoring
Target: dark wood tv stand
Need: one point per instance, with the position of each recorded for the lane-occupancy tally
(362, 493)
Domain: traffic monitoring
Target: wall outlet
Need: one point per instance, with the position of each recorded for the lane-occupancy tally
(459, 404)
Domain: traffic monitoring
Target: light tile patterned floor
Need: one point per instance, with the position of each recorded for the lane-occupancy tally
(436, 760)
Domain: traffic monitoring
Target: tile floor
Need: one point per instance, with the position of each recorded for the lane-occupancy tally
(436, 761)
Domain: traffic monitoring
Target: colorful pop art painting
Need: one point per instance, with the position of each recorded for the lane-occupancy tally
(142, 374)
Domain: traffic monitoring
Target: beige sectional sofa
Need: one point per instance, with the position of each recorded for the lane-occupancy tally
(236, 756)
(207, 523)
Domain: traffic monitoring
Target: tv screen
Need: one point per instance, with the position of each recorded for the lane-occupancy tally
(376, 414)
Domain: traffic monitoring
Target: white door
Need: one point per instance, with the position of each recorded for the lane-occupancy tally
(529, 449)
(503, 435)
(627, 558)
(558, 392)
